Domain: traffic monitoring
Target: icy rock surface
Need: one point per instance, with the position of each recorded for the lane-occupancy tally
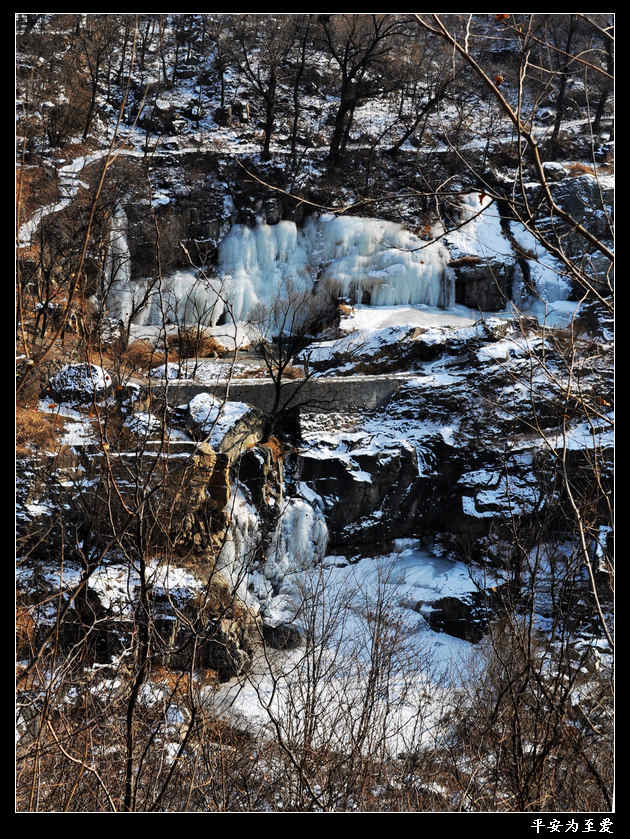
(365, 259)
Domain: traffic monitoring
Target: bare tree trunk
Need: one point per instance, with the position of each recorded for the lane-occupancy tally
(564, 77)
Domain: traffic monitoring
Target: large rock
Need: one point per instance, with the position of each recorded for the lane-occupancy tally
(282, 636)
(229, 427)
(79, 383)
(367, 496)
(581, 195)
(483, 284)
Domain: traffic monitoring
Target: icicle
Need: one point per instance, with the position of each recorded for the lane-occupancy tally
(360, 255)
(117, 289)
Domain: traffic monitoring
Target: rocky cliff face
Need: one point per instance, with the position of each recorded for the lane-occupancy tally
(471, 447)
(467, 443)
(103, 523)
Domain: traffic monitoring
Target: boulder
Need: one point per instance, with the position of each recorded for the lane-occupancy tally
(554, 171)
(79, 383)
(582, 194)
(366, 496)
(229, 427)
(283, 636)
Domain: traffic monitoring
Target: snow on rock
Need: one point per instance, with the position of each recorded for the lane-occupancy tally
(143, 423)
(215, 417)
(80, 383)
(379, 317)
(482, 235)
(171, 370)
(209, 371)
(359, 344)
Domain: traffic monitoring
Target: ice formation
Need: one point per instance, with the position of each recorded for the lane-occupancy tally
(365, 259)
(182, 297)
(119, 292)
(299, 541)
(360, 256)
(241, 543)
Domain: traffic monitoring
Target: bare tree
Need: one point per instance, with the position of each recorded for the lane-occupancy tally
(260, 52)
(286, 327)
(360, 46)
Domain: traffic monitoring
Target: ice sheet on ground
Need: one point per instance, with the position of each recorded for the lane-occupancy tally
(346, 600)
(379, 317)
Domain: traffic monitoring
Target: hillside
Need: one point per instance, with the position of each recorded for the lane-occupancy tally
(315, 412)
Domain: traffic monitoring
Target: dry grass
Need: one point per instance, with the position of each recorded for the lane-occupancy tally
(35, 187)
(469, 259)
(577, 169)
(293, 373)
(24, 632)
(141, 355)
(191, 343)
(35, 430)
(178, 682)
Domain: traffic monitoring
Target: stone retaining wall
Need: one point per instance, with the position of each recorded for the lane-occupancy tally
(337, 393)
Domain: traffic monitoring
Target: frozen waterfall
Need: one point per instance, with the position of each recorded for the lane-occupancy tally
(182, 297)
(359, 256)
(117, 288)
(362, 258)
(298, 543)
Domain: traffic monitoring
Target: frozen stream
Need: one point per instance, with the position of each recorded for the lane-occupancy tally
(349, 610)
(408, 580)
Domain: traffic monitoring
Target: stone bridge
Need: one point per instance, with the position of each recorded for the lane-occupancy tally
(331, 393)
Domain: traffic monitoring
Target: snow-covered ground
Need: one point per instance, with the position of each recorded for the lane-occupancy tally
(340, 600)
(378, 317)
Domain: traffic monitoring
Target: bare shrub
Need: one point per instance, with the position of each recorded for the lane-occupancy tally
(577, 169)
(194, 343)
(142, 355)
(35, 430)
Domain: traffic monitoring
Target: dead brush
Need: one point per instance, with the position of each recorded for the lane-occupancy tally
(178, 683)
(192, 343)
(469, 259)
(275, 448)
(291, 372)
(24, 632)
(35, 187)
(577, 169)
(142, 355)
(35, 430)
